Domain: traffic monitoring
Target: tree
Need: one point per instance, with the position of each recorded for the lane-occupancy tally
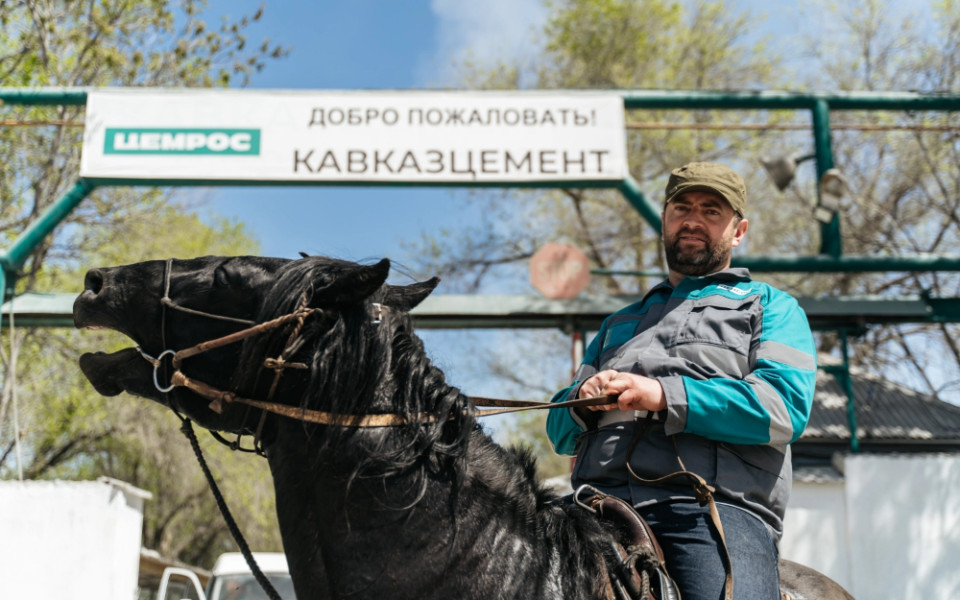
(68, 431)
(616, 44)
(902, 183)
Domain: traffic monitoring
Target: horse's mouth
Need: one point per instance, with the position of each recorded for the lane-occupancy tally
(108, 372)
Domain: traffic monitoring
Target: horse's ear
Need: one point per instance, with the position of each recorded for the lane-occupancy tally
(359, 283)
(405, 297)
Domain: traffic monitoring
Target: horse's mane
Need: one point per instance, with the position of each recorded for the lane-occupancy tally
(358, 367)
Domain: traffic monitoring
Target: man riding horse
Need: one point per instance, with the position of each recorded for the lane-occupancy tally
(714, 375)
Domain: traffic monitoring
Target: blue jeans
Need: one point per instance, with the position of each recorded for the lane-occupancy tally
(693, 551)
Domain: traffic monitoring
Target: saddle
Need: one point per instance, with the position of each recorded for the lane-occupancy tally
(635, 561)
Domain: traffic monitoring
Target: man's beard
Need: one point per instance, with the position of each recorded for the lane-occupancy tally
(697, 263)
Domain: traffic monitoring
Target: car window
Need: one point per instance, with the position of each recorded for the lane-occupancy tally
(245, 587)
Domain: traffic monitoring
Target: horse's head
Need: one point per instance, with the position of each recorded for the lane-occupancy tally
(173, 305)
(130, 299)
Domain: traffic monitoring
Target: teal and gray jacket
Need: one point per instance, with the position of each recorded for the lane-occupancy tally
(737, 363)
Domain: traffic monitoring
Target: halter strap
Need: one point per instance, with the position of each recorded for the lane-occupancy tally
(278, 364)
(167, 301)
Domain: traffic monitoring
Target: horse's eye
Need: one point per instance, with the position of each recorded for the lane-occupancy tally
(220, 277)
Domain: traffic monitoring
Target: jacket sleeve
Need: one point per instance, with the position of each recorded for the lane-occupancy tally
(563, 425)
(772, 403)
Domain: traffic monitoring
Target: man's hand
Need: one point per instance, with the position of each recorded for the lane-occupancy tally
(635, 392)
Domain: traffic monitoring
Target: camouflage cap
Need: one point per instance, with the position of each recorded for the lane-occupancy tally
(708, 177)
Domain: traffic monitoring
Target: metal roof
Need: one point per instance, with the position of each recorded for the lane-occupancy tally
(887, 414)
(817, 474)
(39, 310)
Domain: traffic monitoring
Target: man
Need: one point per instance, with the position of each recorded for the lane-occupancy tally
(726, 367)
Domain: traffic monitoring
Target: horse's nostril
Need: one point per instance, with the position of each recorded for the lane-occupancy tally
(93, 281)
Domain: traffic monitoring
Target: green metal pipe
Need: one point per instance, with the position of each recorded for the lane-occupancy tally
(778, 100)
(66, 322)
(841, 373)
(648, 210)
(820, 115)
(848, 263)
(657, 274)
(62, 96)
(30, 238)
(818, 263)
(136, 182)
(660, 99)
(847, 382)
(12, 260)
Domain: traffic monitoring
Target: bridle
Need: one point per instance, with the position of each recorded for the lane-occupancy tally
(218, 397)
(278, 365)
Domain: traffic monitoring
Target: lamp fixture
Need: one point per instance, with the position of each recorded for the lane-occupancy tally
(830, 188)
(782, 169)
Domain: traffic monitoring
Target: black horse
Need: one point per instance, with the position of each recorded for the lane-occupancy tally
(425, 507)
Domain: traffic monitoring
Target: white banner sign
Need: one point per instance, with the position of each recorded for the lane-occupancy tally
(415, 137)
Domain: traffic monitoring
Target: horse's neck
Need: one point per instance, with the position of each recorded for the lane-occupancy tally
(344, 534)
(378, 538)
(336, 490)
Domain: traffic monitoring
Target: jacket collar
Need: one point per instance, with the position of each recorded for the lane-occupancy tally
(734, 274)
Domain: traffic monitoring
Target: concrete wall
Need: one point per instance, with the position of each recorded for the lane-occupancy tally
(70, 539)
(889, 529)
(815, 531)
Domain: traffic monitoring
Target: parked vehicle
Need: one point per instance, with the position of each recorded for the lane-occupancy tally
(230, 579)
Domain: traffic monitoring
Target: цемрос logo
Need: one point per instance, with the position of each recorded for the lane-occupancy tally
(182, 141)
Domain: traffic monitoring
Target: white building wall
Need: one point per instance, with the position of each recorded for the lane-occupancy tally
(904, 522)
(815, 532)
(70, 539)
(890, 529)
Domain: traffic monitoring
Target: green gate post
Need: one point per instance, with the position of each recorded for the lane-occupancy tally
(650, 212)
(830, 243)
(841, 373)
(12, 260)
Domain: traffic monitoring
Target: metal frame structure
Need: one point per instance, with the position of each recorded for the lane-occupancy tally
(584, 313)
(834, 314)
